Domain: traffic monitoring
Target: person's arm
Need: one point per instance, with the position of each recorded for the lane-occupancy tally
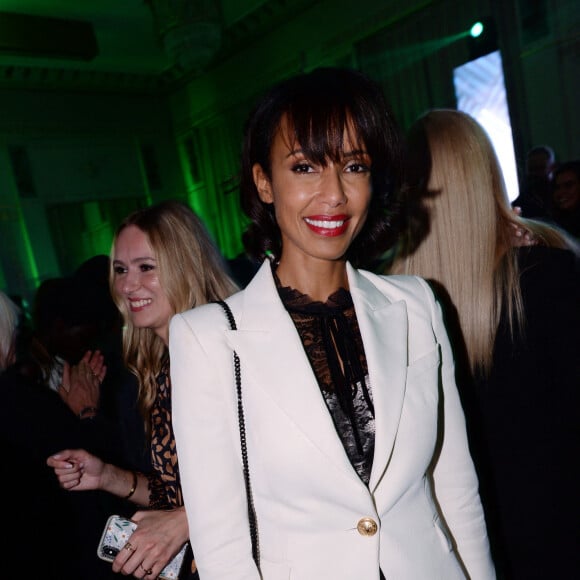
(206, 431)
(80, 391)
(160, 534)
(80, 388)
(79, 470)
(455, 480)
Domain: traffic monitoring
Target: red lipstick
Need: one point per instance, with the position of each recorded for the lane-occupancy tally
(328, 226)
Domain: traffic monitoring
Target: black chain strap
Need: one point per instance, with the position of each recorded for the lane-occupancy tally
(242, 423)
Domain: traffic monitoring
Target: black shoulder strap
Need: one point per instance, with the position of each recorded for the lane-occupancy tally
(242, 424)
(229, 314)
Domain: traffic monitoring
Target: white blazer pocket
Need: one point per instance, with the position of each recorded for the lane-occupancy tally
(424, 363)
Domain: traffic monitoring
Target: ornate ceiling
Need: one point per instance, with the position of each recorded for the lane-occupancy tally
(130, 54)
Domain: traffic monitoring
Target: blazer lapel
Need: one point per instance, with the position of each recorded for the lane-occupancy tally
(383, 325)
(269, 346)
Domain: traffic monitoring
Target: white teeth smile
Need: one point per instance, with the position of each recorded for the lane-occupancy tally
(140, 303)
(325, 224)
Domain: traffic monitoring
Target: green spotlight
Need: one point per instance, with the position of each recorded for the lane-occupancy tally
(476, 29)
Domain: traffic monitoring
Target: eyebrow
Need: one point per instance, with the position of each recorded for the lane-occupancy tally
(293, 153)
(136, 260)
(356, 152)
(349, 154)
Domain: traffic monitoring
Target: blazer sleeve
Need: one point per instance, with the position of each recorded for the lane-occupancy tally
(454, 477)
(208, 445)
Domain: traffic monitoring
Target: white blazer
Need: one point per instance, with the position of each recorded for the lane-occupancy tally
(309, 499)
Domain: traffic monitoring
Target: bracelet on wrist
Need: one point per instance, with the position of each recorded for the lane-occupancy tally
(88, 412)
(133, 486)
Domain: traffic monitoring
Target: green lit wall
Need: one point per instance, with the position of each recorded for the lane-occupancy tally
(70, 171)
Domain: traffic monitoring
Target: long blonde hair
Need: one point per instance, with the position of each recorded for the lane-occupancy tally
(191, 272)
(461, 228)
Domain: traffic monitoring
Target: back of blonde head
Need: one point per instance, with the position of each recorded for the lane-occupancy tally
(191, 272)
(467, 245)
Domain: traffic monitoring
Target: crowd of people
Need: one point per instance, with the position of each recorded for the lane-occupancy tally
(53, 397)
(387, 389)
(550, 191)
(163, 262)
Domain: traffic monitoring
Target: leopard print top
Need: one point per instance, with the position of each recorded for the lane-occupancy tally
(164, 482)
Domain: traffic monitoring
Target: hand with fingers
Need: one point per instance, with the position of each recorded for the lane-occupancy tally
(159, 536)
(80, 388)
(146, 571)
(521, 236)
(77, 469)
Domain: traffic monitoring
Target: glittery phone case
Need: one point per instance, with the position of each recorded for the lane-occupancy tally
(116, 534)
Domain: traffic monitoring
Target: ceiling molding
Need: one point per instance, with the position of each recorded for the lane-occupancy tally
(70, 76)
(70, 79)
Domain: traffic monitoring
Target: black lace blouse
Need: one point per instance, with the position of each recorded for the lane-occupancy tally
(333, 343)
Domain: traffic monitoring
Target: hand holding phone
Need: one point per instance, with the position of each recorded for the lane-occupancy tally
(117, 533)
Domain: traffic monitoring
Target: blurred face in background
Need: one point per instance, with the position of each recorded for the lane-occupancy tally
(567, 190)
(539, 165)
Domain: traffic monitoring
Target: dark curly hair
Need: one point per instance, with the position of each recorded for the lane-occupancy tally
(319, 106)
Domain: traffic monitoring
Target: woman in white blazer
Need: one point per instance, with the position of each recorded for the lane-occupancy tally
(358, 460)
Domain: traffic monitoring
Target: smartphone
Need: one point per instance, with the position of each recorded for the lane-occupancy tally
(117, 533)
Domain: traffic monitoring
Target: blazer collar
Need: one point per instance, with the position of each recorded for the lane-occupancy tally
(384, 328)
(269, 346)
